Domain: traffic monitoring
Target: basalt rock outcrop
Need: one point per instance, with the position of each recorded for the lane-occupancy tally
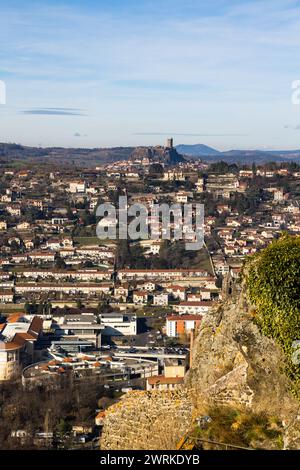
(233, 364)
(158, 154)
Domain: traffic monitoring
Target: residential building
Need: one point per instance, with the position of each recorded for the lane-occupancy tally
(161, 299)
(160, 382)
(17, 338)
(193, 308)
(140, 297)
(177, 325)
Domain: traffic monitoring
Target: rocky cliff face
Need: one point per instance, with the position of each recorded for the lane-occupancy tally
(167, 156)
(233, 365)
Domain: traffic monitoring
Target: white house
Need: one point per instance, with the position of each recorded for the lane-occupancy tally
(193, 308)
(161, 299)
(178, 292)
(140, 297)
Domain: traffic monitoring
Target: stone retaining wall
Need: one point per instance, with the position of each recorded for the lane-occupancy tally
(153, 420)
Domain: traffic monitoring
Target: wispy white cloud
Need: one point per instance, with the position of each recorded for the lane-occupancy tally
(54, 112)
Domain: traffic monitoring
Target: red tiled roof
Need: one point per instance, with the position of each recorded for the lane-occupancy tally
(162, 270)
(36, 326)
(161, 379)
(180, 288)
(184, 317)
(20, 339)
(201, 303)
(11, 346)
(14, 317)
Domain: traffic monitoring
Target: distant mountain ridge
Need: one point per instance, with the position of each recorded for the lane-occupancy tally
(90, 157)
(210, 154)
(87, 156)
(80, 156)
(196, 150)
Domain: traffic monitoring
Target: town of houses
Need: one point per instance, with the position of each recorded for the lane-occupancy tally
(65, 297)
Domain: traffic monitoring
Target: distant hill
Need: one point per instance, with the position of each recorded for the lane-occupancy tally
(79, 156)
(90, 157)
(289, 153)
(210, 154)
(197, 150)
(255, 156)
(85, 156)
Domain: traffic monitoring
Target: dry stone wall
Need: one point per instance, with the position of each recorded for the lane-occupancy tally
(147, 420)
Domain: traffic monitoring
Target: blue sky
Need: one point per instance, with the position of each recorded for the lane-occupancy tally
(128, 72)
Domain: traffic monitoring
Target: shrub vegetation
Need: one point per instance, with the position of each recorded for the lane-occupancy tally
(273, 283)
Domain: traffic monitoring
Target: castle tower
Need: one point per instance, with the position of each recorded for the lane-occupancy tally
(169, 143)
